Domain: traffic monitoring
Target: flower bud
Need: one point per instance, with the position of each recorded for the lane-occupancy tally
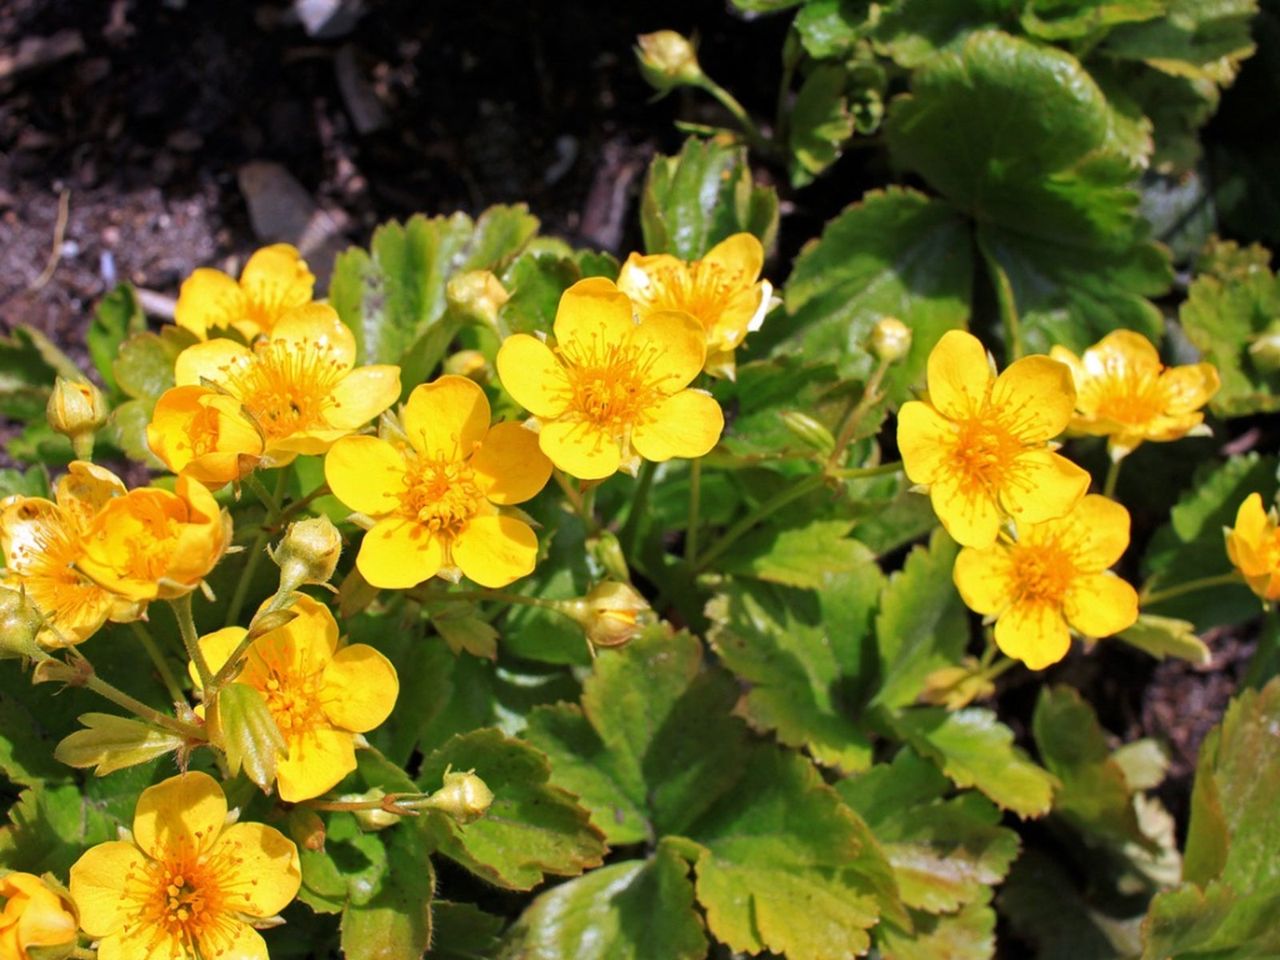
(20, 624)
(464, 797)
(1265, 350)
(371, 819)
(308, 553)
(477, 294)
(612, 614)
(76, 409)
(306, 828)
(467, 363)
(809, 431)
(668, 60)
(890, 339)
(39, 918)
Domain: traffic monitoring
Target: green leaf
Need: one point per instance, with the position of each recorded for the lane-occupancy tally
(351, 867)
(784, 866)
(800, 653)
(1196, 39)
(1017, 136)
(922, 624)
(693, 201)
(467, 633)
(143, 366)
(764, 391)
(532, 829)
(1217, 922)
(945, 853)
(1191, 546)
(250, 738)
(50, 827)
(25, 377)
(116, 317)
(912, 31)
(394, 924)
(391, 295)
(975, 749)
(800, 556)
(1167, 637)
(896, 253)
(1224, 316)
(536, 281)
(111, 743)
(830, 28)
(820, 123)
(1095, 796)
(969, 934)
(634, 910)
(1076, 19)
(462, 931)
(26, 744)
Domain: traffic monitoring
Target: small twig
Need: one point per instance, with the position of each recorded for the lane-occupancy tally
(59, 235)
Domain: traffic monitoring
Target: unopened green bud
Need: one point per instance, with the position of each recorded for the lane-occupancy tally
(612, 614)
(467, 363)
(20, 624)
(76, 409)
(464, 797)
(809, 431)
(306, 828)
(1265, 350)
(890, 339)
(668, 60)
(477, 294)
(371, 819)
(308, 553)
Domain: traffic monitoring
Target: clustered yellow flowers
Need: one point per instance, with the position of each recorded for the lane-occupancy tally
(1037, 549)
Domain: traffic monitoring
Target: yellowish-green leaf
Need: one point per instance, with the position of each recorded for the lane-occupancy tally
(111, 743)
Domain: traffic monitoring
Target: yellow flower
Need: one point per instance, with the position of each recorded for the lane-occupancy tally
(298, 384)
(980, 443)
(1052, 580)
(1125, 394)
(612, 390)
(437, 500)
(152, 544)
(42, 542)
(1254, 547)
(320, 694)
(34, 916)
(722, 291)
(273, 282)
(188, 885)
(205, 434)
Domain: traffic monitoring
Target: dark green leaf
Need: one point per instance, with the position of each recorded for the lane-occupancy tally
(969, 934)
(1197, 39)
(143, 367)
(50, 827)
(801, 556)
(115, 319)
(394, 924)
(820, 122)
(352, 866)
(25, 377)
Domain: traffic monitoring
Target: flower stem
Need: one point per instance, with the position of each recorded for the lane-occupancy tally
(489, 596)
(269, 500)
(1190, 586)
(82, 953)
(80, 673)
(157, 657)
(1113, 477)
(859, 473)
(259, 545)
(870, 397)
(727, 100)
(577, 500)
(766, 509)
(190, 639)
(695, 505)
(639, 504)
(299, 505)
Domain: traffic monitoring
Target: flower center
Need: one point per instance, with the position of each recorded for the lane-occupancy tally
(148, 540)
(1042, 572)
(441, 495)
(702, 289)
(612, 385)
(293, 700)
(204, 432)
(982, 453)
(1129, 396)
(177, 905)
(286, 386)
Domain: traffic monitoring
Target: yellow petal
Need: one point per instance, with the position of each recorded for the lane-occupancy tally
(493, 551)
(46, 919)
(1122, 350)
(1189, 388)
(958, 374)
(925, 440)
(145, 942)
(209, 301)
(687, 424)
(643, 278)
(317, 325)
(1100, 532)
(359, 689)
(1034, 633)
(366, 474)
(984, 579)
(1045, 486)
(580, 448)
(969, 514)
(217, 648)
(184, 812)
(741, 253)
(593, 311)
(672, 347)
(267, 872)
(86, 488)
(97, 880)
(213, 361)
(235, 940)
(447, 419)
(306, 643)
(1101, 604)
(317, 760)
(1035, 398)
(510, 467)
(532, 374)
(398, 554)
(1251, 519)
(275, 280)
(361, 395)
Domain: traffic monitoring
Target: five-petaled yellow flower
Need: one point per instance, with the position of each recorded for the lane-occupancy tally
(155, 544)
(1054, 579)
(299, 385)
(1253, 545)
(613, 390)
(44, 540)
(1124, 393)
(436, 501)
(319, 693)
(204, 434)
(722, 291)
(33, 916)
(980, 443)
(189, 885)
(273, 282)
